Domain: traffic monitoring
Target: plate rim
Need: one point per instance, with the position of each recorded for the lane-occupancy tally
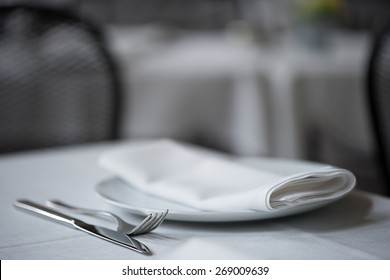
(204, 215)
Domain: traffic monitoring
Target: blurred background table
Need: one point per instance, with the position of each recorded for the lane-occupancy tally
(282, 99)
(194, 86)
(271, 78)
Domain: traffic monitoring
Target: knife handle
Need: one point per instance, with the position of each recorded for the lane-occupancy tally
(104, 233)
(45, 211)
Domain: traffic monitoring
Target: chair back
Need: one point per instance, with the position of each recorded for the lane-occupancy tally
(379, 97)
(58, 83)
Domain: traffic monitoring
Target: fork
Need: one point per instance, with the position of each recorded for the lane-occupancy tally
(149, 223)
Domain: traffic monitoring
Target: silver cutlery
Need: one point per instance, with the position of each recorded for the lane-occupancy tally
(151, 222)
(97, 231)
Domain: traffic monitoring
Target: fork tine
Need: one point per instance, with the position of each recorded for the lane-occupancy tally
(160, 220)
(141, 225)
(163, 216)
(143, 228)
(156, 219)
(152, 221)
(160, 216)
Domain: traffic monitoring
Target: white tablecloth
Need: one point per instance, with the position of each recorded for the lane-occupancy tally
(356, 227)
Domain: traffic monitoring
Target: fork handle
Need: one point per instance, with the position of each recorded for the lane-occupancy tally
(46, 212)
(57, 204)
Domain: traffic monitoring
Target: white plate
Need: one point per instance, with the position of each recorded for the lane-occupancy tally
(121, 194)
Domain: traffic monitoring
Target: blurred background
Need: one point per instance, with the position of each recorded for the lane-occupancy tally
(278, 78)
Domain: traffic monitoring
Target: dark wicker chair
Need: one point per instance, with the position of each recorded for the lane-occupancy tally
(58, 83)
(379, 97)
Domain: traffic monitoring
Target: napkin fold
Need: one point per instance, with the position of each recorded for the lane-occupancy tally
(208, 180)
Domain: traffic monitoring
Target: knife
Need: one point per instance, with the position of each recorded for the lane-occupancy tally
(97, 231)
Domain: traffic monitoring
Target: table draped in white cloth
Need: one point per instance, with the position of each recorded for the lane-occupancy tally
(355, 227)
(246, 98)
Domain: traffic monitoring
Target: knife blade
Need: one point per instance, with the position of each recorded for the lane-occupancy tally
(97, 231)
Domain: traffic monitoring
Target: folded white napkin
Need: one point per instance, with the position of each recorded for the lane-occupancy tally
(208, 180)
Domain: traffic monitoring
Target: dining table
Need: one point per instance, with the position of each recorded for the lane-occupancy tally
(355, 227)
(244, 96)
(279, 97)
